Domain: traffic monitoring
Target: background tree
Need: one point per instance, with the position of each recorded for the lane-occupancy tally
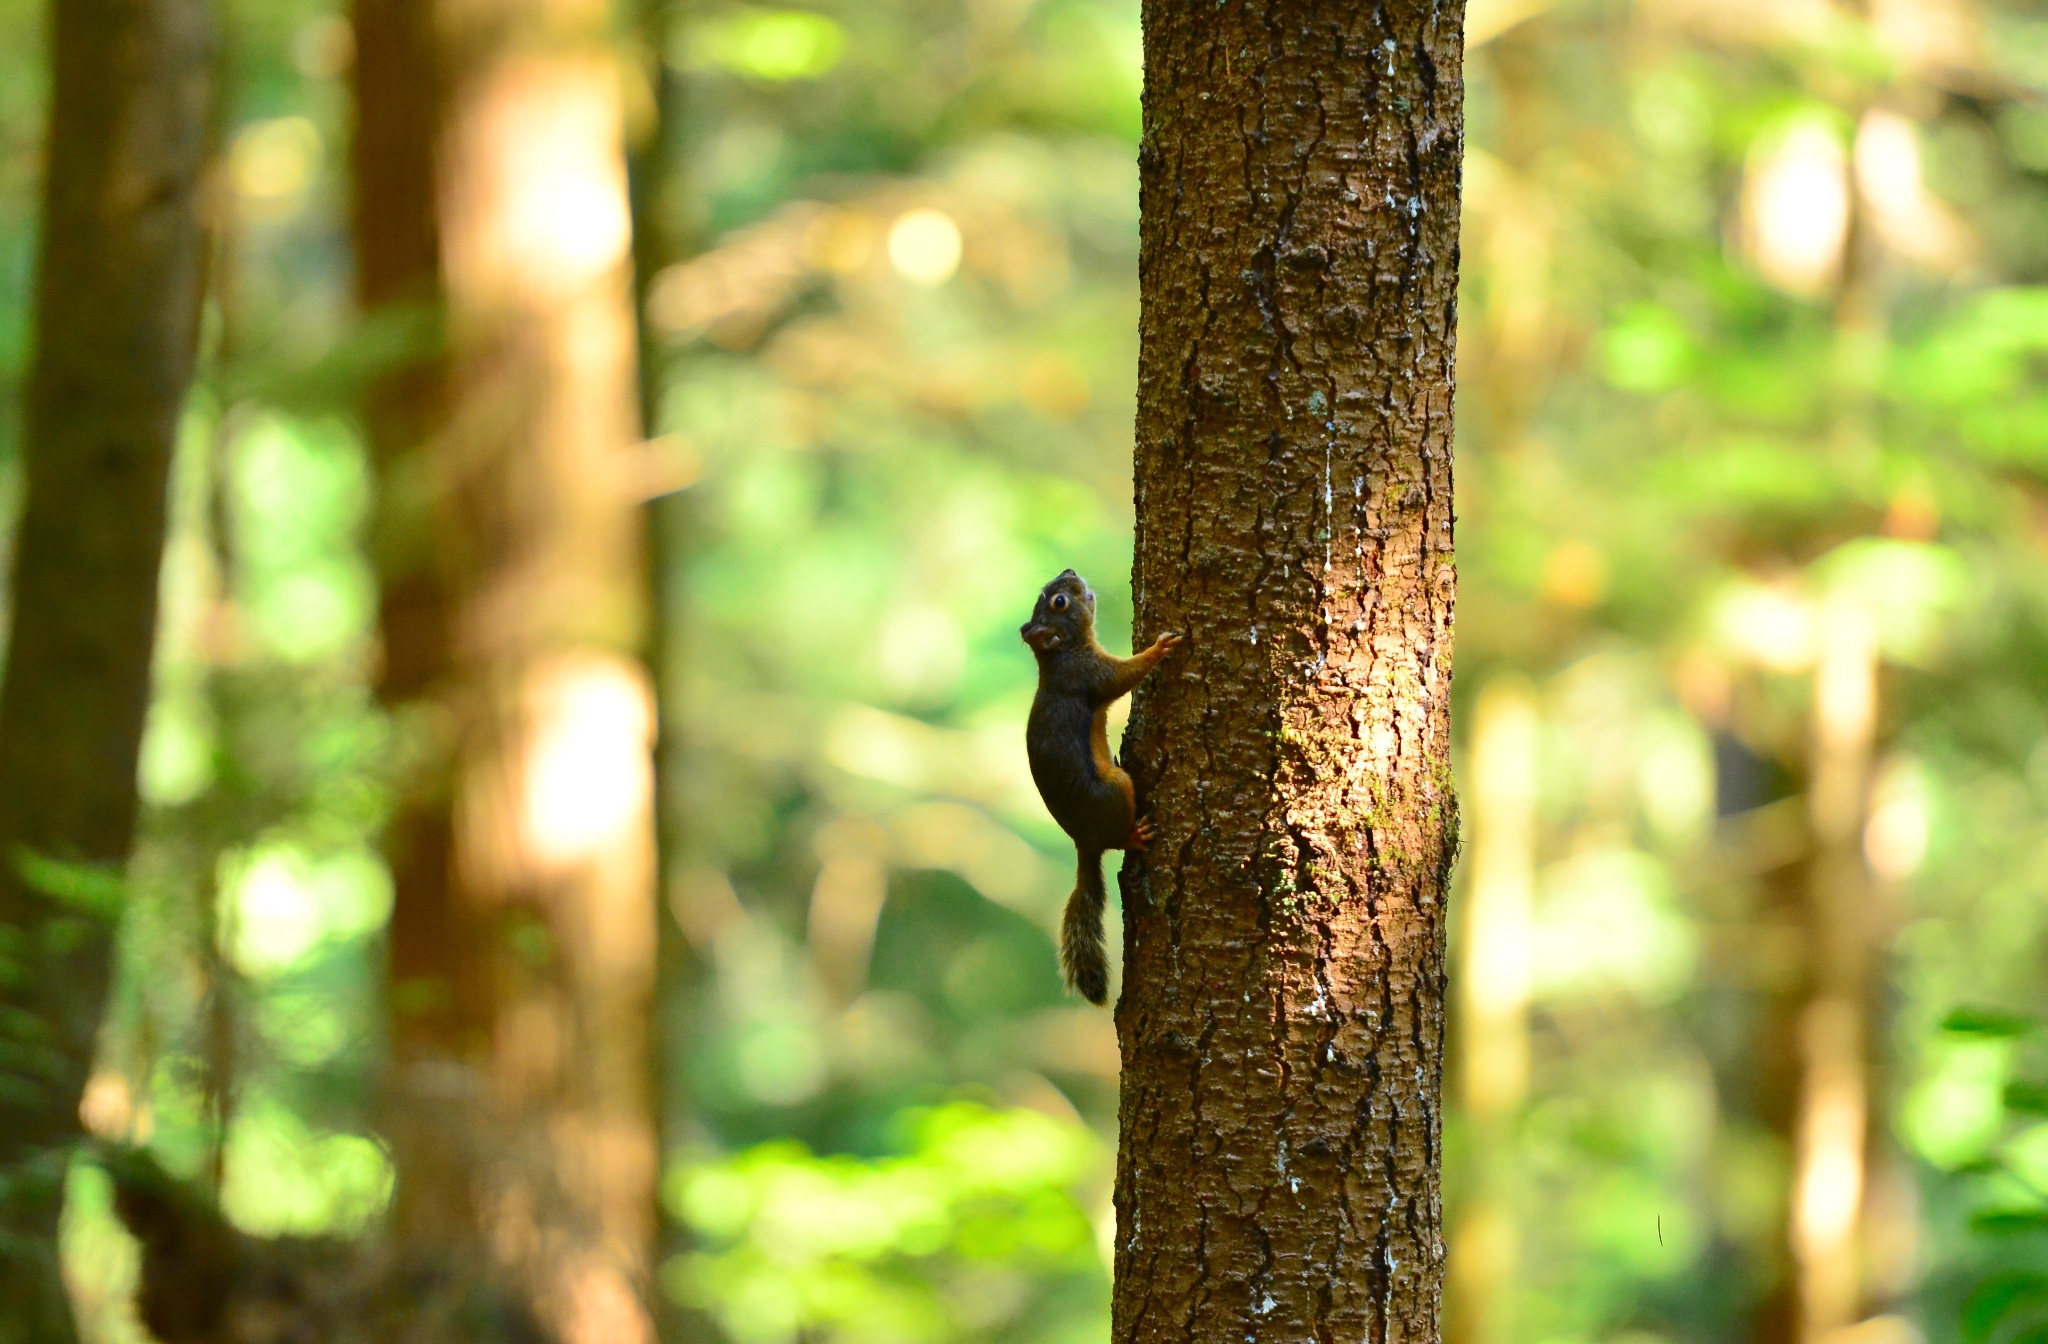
(1282, 1016)
(661, 240)
(116, 320)
(492, 191)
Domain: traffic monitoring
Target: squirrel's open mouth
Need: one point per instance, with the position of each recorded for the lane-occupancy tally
(1041, 637)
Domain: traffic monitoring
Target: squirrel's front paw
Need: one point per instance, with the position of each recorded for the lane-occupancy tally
(1169, 641)
(1140, 837)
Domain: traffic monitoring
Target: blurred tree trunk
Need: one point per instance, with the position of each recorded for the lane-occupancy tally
(663, 238)
(1771, 1082)
(1493, 982)
(1508, 349)
(117, 309)
(1282, 1018)
(1838, 1030)
(492, 194)
(1835, 1039)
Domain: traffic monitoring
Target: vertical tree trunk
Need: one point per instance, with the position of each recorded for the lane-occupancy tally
(1833, 1118)
(436, 994)
(662, 238)
(522, 939)
(1772, 1070)
(1837, 1035)
(1282, 1018)
(117, 306)
(1493, 985)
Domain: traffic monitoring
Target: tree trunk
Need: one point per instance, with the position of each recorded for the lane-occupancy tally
(1282, 1020)
(662, 238)
(117, 306)
(1493, 985)
(438, 1001)
(1833, 1125)
(522, 933)
(1837, 1031)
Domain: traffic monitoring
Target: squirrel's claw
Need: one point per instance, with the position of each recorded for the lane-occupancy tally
(1169, 641)
(1140, 837)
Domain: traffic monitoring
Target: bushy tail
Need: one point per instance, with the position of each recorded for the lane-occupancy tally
(1082, 952)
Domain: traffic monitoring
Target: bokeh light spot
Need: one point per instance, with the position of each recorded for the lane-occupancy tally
(924, 246)
(1796, 207)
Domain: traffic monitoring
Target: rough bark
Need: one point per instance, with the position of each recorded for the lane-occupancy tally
(522, 933)
(116, 311)
(1282, 1015)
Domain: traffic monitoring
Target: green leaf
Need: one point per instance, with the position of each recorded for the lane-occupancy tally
(26, 1061)
(84, 887)
(2027, 1098)
(2009, 1222)
(1995, 1304)
(19, 1093)
(1987, 1022)
(772, 45)
(22, 1025)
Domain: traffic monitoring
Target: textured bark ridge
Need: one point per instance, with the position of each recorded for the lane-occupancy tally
(1282, 1015)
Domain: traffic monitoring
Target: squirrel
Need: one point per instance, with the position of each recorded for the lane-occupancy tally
(1066, 737)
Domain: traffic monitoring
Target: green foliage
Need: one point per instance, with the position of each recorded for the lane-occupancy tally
(84, 888)
(773, 45)
(2000, 1195)
(974, 1232)
(1990, 1022)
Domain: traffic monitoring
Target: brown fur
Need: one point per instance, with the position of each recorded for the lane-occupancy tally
(1088, 794)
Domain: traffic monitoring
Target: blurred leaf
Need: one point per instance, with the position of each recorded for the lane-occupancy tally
(91, 889)
(2009, 1222)
(1991, 1022)
(1911, 588)
(2009, 1308)
(775, 45)
(1647, 349)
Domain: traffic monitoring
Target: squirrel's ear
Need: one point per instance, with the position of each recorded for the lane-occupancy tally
(1067, 574)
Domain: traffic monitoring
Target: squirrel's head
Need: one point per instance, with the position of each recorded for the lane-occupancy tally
(1065, 615)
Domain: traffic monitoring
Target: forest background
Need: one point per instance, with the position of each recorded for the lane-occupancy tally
(1754, 503)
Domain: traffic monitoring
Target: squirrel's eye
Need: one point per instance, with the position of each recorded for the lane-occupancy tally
(1059, 602)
